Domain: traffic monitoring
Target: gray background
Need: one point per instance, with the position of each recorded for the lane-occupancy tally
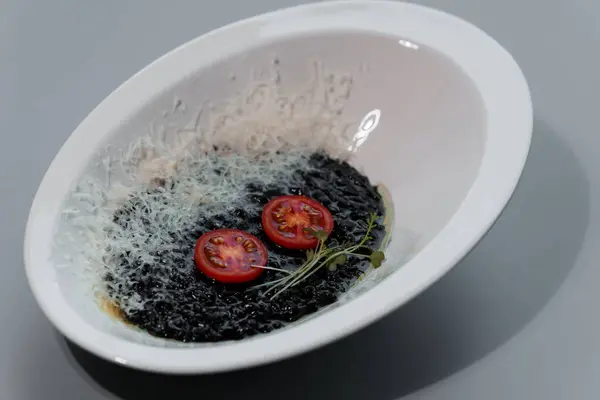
(517, 319)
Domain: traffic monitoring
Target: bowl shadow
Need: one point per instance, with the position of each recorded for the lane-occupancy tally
(484, 301)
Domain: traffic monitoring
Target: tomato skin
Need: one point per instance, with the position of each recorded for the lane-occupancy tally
(285, 219)
(235, 251)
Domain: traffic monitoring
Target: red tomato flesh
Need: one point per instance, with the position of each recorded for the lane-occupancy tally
(286, 218)
(228, 255)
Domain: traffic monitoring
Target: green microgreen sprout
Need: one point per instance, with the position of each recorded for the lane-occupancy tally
(323, 256)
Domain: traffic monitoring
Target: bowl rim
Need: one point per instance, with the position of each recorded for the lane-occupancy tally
(497, 77)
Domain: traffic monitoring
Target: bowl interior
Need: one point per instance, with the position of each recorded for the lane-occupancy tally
(418, 123)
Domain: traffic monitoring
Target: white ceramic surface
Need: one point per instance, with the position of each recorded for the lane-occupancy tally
(453, 135)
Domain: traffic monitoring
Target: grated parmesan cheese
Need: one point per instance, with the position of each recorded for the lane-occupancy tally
(259, 136)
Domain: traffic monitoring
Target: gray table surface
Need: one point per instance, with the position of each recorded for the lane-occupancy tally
(517, 319)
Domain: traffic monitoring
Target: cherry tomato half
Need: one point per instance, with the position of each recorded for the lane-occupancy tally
(285, 219)
(227, 255)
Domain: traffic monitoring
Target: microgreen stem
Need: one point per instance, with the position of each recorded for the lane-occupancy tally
(272, 269)
(320, 257)
(318, 267)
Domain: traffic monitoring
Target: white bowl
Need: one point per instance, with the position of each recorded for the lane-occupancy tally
(454, 125)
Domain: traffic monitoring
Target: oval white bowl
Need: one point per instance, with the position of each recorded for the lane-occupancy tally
(455, 122)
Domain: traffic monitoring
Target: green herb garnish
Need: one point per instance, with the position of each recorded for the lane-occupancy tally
(377, 258)
(330, 257)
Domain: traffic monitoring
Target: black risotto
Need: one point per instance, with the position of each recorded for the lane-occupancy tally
(199, 309)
